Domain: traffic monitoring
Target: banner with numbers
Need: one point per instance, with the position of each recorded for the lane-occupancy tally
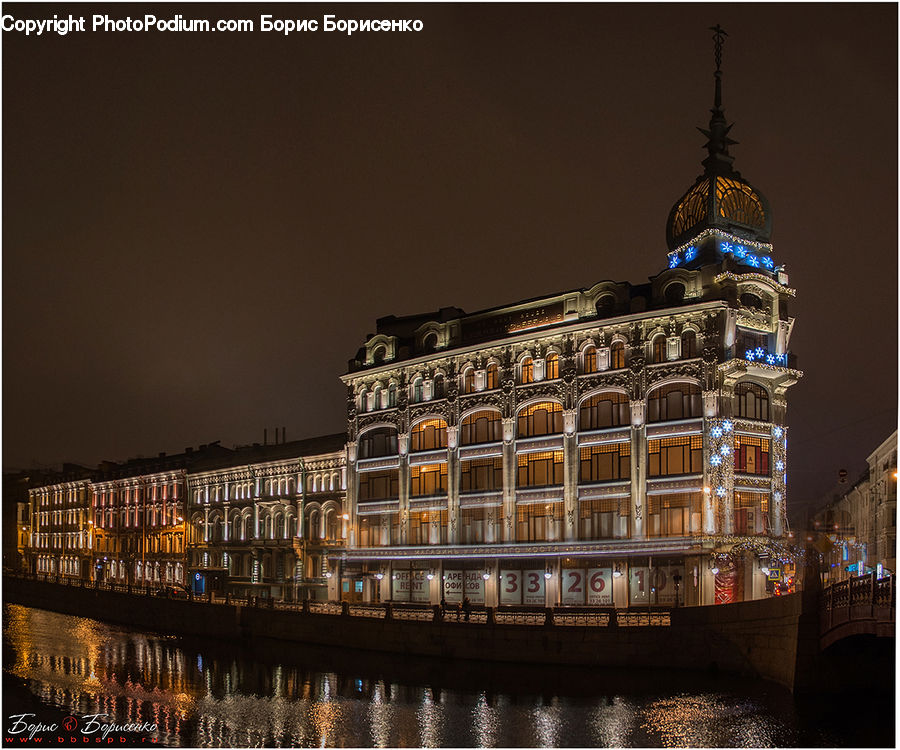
(638, 585)
(510, 587)
(574, 585)
(599, 587)
(533, 587)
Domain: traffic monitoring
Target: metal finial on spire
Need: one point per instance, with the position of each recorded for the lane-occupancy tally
(719, 38)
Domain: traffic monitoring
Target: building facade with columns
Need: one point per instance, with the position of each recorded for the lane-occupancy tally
(263, 519)
(617, 444)
(58, 536)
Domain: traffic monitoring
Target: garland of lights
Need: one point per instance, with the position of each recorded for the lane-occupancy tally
(756, 256)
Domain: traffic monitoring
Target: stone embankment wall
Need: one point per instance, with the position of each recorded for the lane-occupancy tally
(758, 638)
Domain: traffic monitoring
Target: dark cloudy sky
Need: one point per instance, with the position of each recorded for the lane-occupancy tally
(200, 229)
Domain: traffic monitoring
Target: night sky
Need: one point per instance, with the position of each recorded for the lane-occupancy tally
(200, 229)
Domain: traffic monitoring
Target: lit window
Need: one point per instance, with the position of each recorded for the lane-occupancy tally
(527, 369)
(552, 365)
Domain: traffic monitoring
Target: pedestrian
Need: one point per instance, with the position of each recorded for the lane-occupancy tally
(458, 610)
(443, 607)
(467, 607)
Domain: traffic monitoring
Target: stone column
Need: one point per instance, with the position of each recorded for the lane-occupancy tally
(453, 477)
(352, 494)
(508, 515)
(403, 445)
(570, 476)
(638, 470)
(226, 535)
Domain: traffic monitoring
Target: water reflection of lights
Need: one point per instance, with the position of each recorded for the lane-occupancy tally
(430, 718)
(701, 720)
(611, 723)
(381, 717)
(547, 724)
(486, 722)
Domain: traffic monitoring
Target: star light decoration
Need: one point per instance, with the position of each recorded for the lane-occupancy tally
(765, 358)
(753, 254)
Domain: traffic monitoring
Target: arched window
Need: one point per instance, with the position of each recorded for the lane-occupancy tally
(617, 355)
(751, 401)
(392, 395)
(748, 299)
(484, 426)
(378, 442)
(544, 418)
(493, 376)
(604, 410)
(418, 390)
(552, 366)
(675, 401)
(674, 294)
(363, 400)
(438, 387)
(378, 355)
(659, 348)
(377, 394)
(469, 380)
(526, 369)
(429, 343)
(589, 359)
(428, 435)
(605, 305)
(688, 345)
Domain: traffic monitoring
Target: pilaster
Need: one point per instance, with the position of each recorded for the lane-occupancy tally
(508, 517)
(570, 475)
(638, 470)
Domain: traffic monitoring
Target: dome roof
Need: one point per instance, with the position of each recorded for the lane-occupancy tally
(725, 201)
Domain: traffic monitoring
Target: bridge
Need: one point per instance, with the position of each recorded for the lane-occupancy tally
(859, 606)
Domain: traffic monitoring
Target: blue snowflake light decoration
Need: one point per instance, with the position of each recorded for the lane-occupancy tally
(716, 432)
(777, 431)
(752, 260)
(720, 491)
(740, 252)
(674, 260)
(779, 465)
(715, 460)
(690, 253)
(724, 450)
(727, 247)
(727, 426)
(768, 262)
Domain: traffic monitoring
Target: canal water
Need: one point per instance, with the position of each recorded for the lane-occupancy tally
(180, 692)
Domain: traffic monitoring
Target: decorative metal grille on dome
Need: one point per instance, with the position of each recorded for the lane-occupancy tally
(692, 209)
(737, 202)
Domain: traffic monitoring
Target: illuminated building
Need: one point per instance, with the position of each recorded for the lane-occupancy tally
(611, 444)
(861, 522)
(60, 542)
(263, 518)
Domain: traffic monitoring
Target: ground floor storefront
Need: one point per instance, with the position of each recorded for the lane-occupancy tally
(668, 578)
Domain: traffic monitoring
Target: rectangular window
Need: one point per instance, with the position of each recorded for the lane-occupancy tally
(751, 455)
(540, 522)
(485, 474)
(540, 469)
(428, 527)
(675, 456)
(605, 463)
(480, 525)
(379, 485)
(751, 513)
(430, 479)
(678, 514)
(379, 530)
(605, 518)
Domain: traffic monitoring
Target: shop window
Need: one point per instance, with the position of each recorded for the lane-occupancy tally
(481, 474)
(675, 456)
(604, 410)
(678, 514)
(379, 485)
(543, 418)
(540, 469)
(484, 426)
(675, 401)
(605, 463)
(539, 522)
(751, 455)
(429, 435)
(427, 480)
(378, 442)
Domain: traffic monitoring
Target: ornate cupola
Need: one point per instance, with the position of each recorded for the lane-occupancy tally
(720, 199)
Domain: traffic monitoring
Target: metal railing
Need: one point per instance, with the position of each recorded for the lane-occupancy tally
(602, 617)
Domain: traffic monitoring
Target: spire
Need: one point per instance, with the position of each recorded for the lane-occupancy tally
(719, 160)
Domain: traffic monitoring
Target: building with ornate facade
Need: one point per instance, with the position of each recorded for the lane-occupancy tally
(861, 522)
(617, 444)
(263, 519)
